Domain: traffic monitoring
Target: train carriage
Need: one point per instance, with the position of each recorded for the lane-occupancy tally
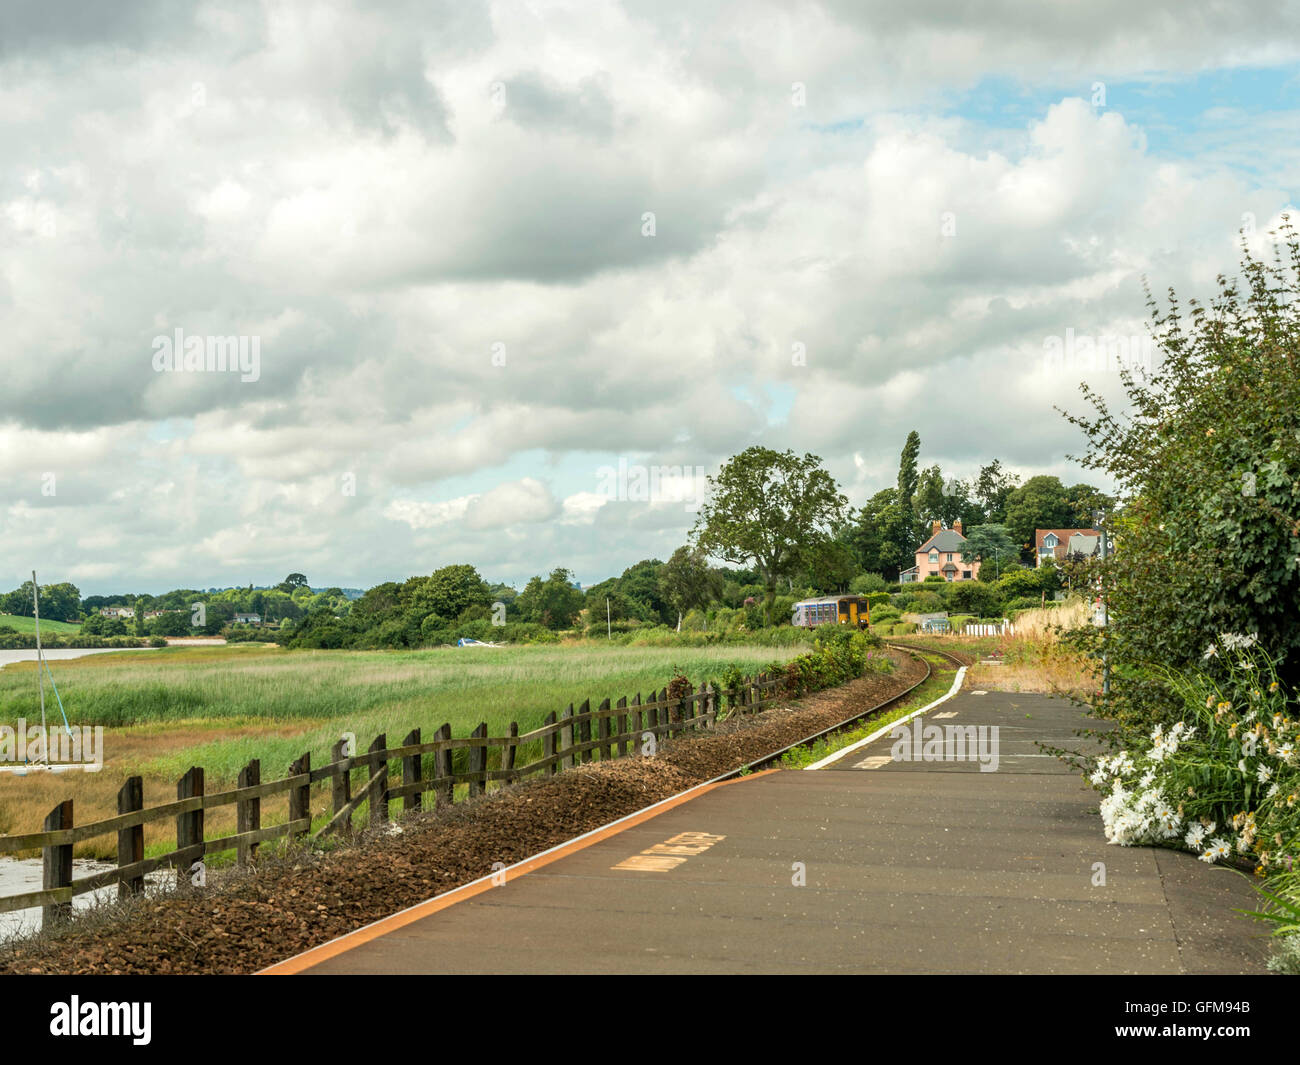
(832, 610)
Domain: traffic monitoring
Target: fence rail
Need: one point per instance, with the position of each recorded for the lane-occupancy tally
(568, 739)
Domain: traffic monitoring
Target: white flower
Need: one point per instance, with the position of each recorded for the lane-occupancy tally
(1218, 849)
(1210, 652)
(1195, 834)
(1264, 774)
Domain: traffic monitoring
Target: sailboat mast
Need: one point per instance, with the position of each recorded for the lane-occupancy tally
(40, 658)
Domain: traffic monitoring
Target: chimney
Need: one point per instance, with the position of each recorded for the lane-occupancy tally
(956, 526)
(934, 528)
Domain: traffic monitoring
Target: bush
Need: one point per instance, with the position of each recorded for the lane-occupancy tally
(867, 584)
(886, 615)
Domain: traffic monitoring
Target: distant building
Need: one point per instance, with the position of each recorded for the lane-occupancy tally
(248, 619)
(1060, 544)
(941, 556)
(117, 611)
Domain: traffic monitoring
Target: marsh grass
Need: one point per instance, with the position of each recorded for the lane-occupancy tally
(219, 707)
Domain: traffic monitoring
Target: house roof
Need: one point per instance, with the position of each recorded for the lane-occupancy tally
(944, 540)
(1082, 545)
(1063, 535)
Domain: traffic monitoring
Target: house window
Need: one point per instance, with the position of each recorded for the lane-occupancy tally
(949, 556)
(934, 556)
(965, 574)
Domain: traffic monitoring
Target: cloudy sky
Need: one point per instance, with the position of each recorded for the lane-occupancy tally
(486, 253)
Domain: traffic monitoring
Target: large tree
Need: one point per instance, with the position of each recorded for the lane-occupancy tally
(907, 475)
(929, 499)
(553, 601)
(1207, 463)
(994, 547)
(686, 581)
(1040, 503)
(992, 487)
(773, 509)
(884, 535)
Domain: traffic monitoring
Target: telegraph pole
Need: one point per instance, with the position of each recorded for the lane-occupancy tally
(1105, 554)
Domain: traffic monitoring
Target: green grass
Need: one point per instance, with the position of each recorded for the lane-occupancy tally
(937, 684)
(22, 624)
(318, 695)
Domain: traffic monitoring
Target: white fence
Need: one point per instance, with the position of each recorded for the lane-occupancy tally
(1005, 629)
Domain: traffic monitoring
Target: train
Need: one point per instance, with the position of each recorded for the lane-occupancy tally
(832, 610)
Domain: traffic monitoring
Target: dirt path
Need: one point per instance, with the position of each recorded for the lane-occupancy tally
(250, 921)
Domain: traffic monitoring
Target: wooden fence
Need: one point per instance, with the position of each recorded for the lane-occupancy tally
(425, 766)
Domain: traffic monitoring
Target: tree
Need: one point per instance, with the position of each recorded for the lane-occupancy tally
(993, 545)
(992, 487)
(1086, 501)
(1207, 465)
(773, 509)
(907, 476)
(929, 500)
(1040, 503)
(686, 581)
(885, 535)
(553, 602)
(974, 597)
(448, 592)
(292, 583)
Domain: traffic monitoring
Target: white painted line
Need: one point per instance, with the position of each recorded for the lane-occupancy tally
(956, 687)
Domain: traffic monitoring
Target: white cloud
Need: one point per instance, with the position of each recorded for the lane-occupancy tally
(343, 183)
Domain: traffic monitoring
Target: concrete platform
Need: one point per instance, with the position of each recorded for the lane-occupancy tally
(906, 867)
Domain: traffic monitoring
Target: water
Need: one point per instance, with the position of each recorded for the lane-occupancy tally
(53, 654)
(19, 876)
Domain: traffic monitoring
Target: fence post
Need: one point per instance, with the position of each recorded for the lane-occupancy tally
(411, 773)
(478, 760)
(56, 862)
(248, 812)
(189, 827)
(651, 716)
(446, 793)
(508, 758)
(566, 738)
(666, 714)
(378, 770)
(548, 746)
(341, 786)
(300, 797)
(622, 727)
(602, 730)
(701, 714)
(584, 729)
(130, 841)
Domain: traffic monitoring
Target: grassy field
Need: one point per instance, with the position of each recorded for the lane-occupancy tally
(14, 621)
(218, 707)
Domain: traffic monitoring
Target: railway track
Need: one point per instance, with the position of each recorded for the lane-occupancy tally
(775, 756)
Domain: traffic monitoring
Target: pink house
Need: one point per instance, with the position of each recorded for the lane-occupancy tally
(941, 556)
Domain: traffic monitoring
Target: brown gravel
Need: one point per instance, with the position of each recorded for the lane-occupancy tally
(245, 921)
